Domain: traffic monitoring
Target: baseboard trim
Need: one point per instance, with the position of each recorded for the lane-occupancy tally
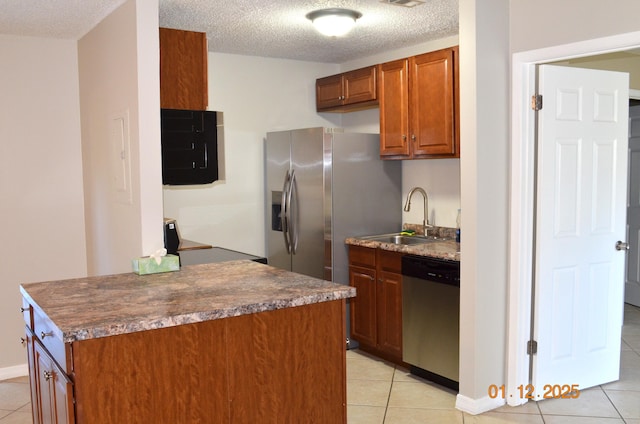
(13, 372)
(477, 406)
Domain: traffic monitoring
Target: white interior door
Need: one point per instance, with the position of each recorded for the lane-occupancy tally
(632, 286)
(580, 215)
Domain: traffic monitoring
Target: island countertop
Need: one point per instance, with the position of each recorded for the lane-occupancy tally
(93, 307)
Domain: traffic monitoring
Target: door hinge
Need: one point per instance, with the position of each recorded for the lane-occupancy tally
(532, 347)
(536, 102)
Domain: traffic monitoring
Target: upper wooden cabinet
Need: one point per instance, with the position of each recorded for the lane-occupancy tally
(349, 91)
(419, 106)
(183, 69)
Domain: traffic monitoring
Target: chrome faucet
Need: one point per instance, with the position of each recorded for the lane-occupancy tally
(425, 216)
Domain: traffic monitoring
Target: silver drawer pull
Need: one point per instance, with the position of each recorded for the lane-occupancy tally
(43, 334)
(48, 375)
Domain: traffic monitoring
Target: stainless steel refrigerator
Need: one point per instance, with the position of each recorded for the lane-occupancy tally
(322, 186)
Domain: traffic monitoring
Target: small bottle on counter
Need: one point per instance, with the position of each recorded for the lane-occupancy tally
(458, 227)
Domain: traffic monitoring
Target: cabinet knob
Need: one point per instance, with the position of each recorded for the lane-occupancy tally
(404, 137)
(22, 310)
(413, 137)
(48, 375)
(43, 334)
(23, 341)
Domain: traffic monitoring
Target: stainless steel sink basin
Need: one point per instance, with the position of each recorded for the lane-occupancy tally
(401, 239)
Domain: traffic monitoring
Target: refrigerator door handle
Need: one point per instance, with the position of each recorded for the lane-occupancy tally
(284, 213)
(293, 223)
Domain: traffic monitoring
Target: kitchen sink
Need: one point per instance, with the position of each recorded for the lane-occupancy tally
(402, 239)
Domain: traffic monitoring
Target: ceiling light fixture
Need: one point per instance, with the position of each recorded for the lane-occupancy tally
(333, 22)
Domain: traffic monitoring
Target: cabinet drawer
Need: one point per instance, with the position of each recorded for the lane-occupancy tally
(389, 261)
(44, 331)
(27, 313)
(362, 256)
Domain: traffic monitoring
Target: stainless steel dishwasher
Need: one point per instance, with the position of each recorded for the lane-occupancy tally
(431, 318)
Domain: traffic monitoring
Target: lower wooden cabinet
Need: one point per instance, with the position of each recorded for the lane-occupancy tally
(376, 311)
(286, 365)
(363, 307)
(51, 389)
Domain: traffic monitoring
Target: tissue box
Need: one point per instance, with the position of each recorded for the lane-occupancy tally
(148, 265)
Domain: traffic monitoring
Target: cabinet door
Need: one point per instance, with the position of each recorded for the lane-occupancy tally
(363, 306)
(394, 103)
(33, 376)
(389, 303)
(360, 86)
(63, 398)
(55, 401)
(328, 92)
(183, 69)
(432, 111)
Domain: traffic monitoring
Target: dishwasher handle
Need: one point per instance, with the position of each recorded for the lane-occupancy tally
(431, 269)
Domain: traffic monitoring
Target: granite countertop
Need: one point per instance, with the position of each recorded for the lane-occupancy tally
(93, 307)
(444, 249)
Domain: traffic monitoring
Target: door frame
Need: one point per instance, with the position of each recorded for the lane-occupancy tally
(522, 182)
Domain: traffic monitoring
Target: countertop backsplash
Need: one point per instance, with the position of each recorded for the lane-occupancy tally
(434, 231)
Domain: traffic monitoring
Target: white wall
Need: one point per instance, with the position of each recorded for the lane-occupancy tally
(619, 61)
(568, 21)
(486, 47)
(484, 98)
(118, 63)
(606, 27)
(256, 95)
(149, 156)
(41, 199)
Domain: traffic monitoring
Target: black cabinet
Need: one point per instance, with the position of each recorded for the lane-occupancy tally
(189, 146)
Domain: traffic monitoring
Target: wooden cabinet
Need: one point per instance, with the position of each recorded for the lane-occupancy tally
(363, 307)
(419, 106)
(54, 389)
(51, 389)
(183, 69)
(376, 311)
(389, 302)
(29, 341)
(348, 91)
(285, 365)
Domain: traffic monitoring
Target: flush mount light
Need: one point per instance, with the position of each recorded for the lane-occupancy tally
(333, 22)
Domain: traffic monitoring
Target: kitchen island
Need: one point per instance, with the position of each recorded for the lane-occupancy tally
(230, 342)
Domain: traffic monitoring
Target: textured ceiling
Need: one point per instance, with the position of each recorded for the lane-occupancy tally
(269, 28)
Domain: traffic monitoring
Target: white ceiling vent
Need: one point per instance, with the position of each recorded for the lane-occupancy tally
(405, 3)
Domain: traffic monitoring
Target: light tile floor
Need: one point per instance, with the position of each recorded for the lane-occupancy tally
(381, 393)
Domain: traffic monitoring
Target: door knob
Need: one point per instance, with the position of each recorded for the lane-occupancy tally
(622, 245)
